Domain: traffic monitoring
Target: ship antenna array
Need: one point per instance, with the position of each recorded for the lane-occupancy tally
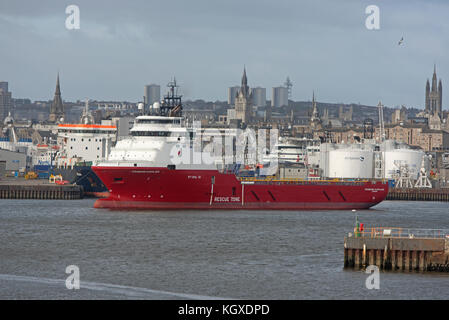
(172, 101)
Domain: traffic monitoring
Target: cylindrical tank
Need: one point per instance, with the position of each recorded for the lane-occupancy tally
(409, 159)
(350, 163)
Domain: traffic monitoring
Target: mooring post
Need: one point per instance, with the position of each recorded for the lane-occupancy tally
(422, 260)
(371, 257)
(385, 263)
(346, 257)
(393, 259)
(414, 260)
(364, 255)
(407, 260)
(357, 259)
(351, 258)
(400, 263)
(378, 258)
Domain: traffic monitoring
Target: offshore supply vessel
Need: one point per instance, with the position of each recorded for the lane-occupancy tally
(81, 144)
(144, 172)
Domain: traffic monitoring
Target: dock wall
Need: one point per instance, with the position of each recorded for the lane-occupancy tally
(55, 192)
(415, 194)
(397, 254)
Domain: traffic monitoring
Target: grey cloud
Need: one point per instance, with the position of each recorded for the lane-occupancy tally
(322, 45)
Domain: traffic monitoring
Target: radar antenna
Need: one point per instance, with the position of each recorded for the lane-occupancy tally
(171, 105)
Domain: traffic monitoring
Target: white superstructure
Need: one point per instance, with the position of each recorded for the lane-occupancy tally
(152, 139)
(293, 151)
(84, 142)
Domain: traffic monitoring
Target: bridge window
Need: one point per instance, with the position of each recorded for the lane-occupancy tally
(159, 121)
(151, 133)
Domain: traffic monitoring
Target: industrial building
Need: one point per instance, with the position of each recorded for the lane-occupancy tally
(152, 94)
(279, 97)
(259, 97)
(5, 100)
(232, 93)
(388, 160)
(11, 161)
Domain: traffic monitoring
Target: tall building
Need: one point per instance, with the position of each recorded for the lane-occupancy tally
(315, 121)
(434, 96)
(244, 101)
(232, 93)
(57, 113)
(259, 97)
(5, 100)
(152, 94)
(399, 115)
(279, 97)
(4, 86)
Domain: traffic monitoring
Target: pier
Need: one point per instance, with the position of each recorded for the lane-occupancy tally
(421, 194)
(37, 189)
(398, 249)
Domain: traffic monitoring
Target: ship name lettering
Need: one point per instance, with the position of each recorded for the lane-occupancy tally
(227, 199)
(373, 189)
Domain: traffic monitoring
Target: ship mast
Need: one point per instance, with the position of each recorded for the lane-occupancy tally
(172, 105)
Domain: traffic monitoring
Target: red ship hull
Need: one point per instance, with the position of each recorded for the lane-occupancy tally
(163, 188)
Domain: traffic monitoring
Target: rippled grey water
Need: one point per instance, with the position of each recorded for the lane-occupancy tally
(186, 254)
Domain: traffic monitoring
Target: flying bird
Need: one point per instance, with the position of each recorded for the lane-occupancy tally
(401, 41)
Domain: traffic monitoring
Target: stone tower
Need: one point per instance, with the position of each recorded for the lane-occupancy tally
(434, 96)
(57, 108)
(315, 121)
(244, 101)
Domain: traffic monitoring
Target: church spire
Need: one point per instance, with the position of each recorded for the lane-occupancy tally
(58, 89)
(57, 108)
(315, 121)
(243, 101)
(244, 88)
(434, 78)
(244, 79)
(315, 113)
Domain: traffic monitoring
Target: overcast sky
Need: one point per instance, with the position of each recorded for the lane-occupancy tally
(322, 45)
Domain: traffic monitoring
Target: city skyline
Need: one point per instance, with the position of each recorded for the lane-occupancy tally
(322, 47)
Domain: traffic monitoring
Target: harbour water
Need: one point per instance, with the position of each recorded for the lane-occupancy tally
(200, 254)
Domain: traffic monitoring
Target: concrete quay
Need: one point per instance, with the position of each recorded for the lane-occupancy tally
(415, 194)
(38, 189)
(398, 249)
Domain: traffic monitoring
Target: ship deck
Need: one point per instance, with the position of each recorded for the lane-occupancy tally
(257, 180)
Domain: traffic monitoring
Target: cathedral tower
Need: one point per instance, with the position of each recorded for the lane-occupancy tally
(315, 121)
(434, 95)
(244, 101)
(57, 108)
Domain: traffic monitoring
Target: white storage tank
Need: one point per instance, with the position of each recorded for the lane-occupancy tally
(350, 163)
(410, 159)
